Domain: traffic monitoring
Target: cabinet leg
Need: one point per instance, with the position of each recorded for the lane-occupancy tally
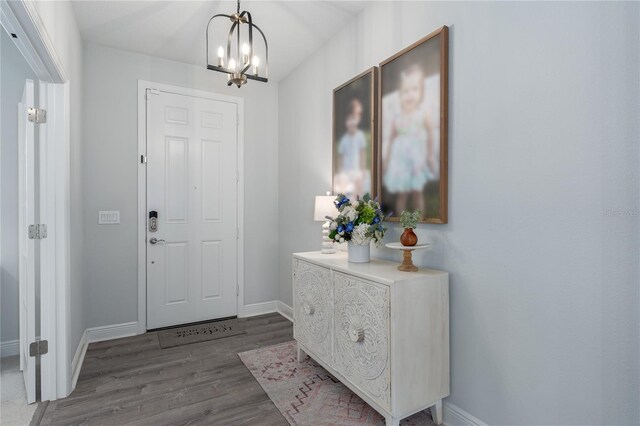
(436, 412)
(301, 355)
(392, 421)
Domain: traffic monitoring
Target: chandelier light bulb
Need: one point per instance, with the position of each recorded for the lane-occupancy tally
(232, 64)
(220, 56)
(255, 61)
(245, 53)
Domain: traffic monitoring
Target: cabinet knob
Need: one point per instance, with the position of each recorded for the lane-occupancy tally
(356, 334)
(308, 309)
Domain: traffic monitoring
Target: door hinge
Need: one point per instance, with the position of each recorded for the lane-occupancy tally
(152, 92)
(237, 289)
(237, 233)
(37, 232)
(36, 115)
(39, 347)
(237, 175)
(143, 159)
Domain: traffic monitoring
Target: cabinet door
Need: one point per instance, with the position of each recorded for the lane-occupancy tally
(313, 308)
(361, 333)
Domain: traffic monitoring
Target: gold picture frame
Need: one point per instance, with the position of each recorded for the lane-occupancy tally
(354, 135)
(411, 169)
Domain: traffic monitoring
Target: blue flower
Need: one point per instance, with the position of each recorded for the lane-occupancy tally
(340, 228)
(376, 219)
(349, 227)
(342, 200)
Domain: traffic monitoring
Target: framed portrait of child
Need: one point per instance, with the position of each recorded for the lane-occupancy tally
(354, 135)
(412, 119)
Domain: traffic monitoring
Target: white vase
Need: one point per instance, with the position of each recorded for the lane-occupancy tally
(359, 253)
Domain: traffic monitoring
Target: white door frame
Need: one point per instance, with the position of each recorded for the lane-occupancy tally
(143, 85)
(27, 265)
(22, 19)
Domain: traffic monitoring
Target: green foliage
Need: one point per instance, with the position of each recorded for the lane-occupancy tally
(367, 214)
(410, 219)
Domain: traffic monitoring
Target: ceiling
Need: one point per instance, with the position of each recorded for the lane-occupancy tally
(176, 29)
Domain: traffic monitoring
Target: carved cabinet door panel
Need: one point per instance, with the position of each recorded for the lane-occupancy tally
(361, 330)
(313, 308)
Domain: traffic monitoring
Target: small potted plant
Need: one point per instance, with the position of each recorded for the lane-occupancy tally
(409, 221)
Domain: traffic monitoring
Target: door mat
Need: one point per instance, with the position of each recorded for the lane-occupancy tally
(200, 333)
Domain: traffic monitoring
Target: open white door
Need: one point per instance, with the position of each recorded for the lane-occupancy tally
(27, 267)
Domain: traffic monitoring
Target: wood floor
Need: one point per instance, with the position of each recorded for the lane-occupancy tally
(133, 381)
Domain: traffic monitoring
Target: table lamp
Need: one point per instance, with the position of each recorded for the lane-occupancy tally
(324, 207)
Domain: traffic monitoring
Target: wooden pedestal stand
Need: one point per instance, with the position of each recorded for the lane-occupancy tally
(407, 261)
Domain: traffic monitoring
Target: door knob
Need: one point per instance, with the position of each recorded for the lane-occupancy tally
(154, 241)
(356, 334)
(308, 309)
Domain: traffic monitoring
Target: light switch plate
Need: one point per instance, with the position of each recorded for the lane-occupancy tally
(108, 217)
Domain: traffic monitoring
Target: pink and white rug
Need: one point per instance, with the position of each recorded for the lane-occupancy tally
(306, 394)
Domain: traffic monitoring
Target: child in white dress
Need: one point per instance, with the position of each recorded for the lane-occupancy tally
(410, 164)
(351, 149)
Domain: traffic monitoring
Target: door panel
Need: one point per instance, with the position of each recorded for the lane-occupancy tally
(26, 217)
(176, 177)
(361, 335)
(312, 308)
(212, 156)
(177, 274)
(212, 268)
(192, 184)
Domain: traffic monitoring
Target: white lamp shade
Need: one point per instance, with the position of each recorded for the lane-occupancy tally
(324, 207)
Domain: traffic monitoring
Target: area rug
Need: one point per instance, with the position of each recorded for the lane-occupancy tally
(199, 333)
(306, 394)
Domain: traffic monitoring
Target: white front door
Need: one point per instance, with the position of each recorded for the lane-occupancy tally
(26, 245)
(192, 190)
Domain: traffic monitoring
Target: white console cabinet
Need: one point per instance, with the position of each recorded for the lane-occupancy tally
(382, 332)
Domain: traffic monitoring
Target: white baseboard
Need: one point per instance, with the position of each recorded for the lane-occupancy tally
(110, 332)
(285, 310)
(261, 308)
(9, 348)
(456, 416)
(78, 359)
(270, 307)
(98, 334)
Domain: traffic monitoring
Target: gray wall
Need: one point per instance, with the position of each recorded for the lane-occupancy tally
(542, 241)
(13, 73)
(110, 178)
